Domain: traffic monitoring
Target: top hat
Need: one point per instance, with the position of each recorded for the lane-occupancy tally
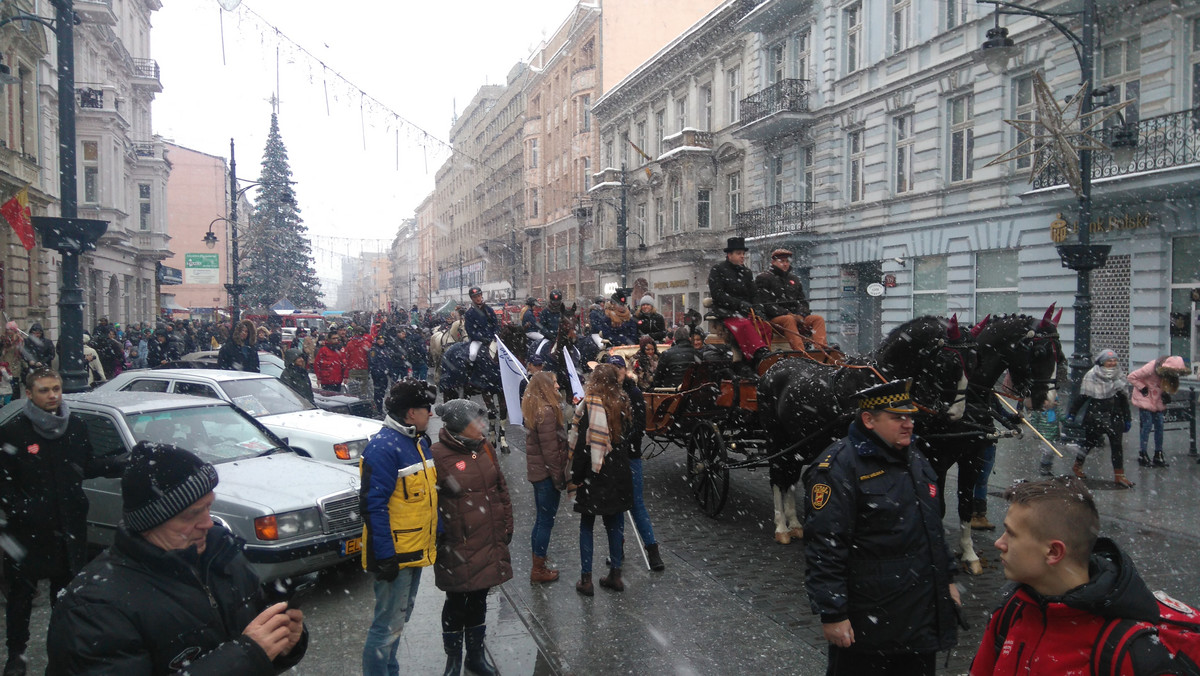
(735, 244)
(893, 397)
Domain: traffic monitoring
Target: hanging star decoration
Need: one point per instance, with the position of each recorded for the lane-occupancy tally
(1058, 133)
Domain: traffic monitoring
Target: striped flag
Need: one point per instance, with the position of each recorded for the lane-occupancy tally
(16, 212)
(511, 375)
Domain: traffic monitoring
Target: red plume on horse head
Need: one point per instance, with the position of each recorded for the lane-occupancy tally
(1057, 317)
(978, 328)
(952, 331)
(1048, 319)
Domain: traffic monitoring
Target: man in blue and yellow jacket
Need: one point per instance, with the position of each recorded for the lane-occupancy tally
(399, 507)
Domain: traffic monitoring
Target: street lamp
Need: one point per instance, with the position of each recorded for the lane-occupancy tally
(583, 213)
(1084, 256)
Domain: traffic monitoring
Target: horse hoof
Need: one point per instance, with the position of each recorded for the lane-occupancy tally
(972, 567)
(797, 533)
(783, 538)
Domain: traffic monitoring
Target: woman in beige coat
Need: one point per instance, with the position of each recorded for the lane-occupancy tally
(546, 461)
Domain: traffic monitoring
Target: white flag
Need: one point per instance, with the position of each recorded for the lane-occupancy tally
(576, 386)
(511, 375)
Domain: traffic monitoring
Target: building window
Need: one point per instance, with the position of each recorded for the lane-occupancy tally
(91, 172)
(660, 219)
(733, 89)
(704, 208)
(929, 286)
(1120, 66)
(676, 205)
(533, 203)
(680, 113)
(856, 151)
(956, 13)
(640, 220)
(900, 12)
(962, 137)
(810, 182)
(802, 54)
(852, 27)
(996, 291)
(585, 109)
(1185, 276)
(1195, 67)
(26, 140)
(735, 197)
(624, 148)
(144, 206)
(641, 135)
(902, 140)
(1024, 108)
(660, 130)
(777, 179)
(706, 111)
(587, 173)
(776, 56)
(608, 154)
(534, 153)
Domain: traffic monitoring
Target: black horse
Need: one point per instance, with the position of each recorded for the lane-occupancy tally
(1030, 351)
(551, 352)
(804, 406)
(459, 377)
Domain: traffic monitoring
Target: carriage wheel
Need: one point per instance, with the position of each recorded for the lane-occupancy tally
(708, 471)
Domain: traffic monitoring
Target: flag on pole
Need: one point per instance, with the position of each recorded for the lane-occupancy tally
(576, 385)
(16, 212)
(511, 375)
(644, 157)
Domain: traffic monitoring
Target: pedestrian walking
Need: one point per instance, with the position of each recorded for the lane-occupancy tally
(600, 471)
(92, 362)
(37, 351)
(879, 574)
(174, 593)
(295, 373)
(330, 364)
(475, 527)
(1102, 409)
(399, 503)
(41, 492)
(1153, 386)
(546, 463)
(1073, 588)
(239, 353)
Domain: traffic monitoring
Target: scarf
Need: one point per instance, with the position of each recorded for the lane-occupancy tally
(407, 430)
(46, 424)
(1097, 385)
(598, 439)
(618, 314)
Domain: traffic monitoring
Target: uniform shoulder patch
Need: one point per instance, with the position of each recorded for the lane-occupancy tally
(824, 464)
(820, 495)
(872, 475)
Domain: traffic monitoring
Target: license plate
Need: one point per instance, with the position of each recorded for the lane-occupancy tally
(351, 546)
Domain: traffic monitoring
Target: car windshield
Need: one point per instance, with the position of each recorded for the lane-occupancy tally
(270, 367)
(264, 396)
(215, 433)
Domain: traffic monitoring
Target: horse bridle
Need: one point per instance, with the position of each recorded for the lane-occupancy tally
(1025, 372)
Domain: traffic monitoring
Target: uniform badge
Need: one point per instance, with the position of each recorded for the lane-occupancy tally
(461, 465)
(820, 495)
(933, 490)
(1174, 604)
(33, 449)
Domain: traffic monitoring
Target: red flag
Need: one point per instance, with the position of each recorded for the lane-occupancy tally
(16, 212)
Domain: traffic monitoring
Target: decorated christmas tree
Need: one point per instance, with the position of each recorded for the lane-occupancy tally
(277, 254)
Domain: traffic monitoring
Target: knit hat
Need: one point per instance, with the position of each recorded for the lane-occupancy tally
(409, 393)
(1104, 355)
(646, 300)
(457, 414)
(160, 482)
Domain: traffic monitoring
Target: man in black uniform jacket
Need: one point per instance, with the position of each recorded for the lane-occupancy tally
(879, 573)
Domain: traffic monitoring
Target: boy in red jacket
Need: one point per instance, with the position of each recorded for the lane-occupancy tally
(1070, 584)
(330, 364)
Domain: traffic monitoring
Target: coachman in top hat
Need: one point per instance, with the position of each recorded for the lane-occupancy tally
(731, 286)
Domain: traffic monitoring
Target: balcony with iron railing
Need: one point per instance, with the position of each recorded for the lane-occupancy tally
(776, 219)
(95, 12)
(146, 74)
(692, 139)
(1163, 142)
(779, 109)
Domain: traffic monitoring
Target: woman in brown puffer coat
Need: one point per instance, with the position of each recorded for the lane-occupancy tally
(546, 464)
(475, 526)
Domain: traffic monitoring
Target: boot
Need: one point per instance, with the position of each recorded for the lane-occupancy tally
(15, 666)
(656, 562)
(1077, 468)
(452, 641)
(613, 580)
(1143, 459)
(584, 586)
(1046, 469)
(1159, 460)
(1120, 480)
(477, 660)
(540, 573)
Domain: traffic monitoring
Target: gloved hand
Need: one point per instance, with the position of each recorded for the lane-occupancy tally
(389, 569)
(1128, 425)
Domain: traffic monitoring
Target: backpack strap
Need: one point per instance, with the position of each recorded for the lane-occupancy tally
(1113, 645)
(1004, 621)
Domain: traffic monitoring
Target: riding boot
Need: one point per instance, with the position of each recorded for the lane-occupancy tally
(613, 580)
(477, 661)
(452, 641)
(584, 586)
(1120, 480)
(1160, 460)
(1077, 468)
(1143, 459)
(656, 562)
(539, 572)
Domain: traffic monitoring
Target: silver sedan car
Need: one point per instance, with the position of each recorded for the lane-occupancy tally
(297, 515)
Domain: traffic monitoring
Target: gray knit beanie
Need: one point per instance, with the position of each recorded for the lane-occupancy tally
(456, 414)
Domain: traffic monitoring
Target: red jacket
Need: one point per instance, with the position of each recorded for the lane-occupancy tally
(330, 366)
(357, 350)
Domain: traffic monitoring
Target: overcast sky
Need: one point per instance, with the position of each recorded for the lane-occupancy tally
(359, 171)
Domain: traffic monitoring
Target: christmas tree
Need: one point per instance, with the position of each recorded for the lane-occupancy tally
(277, 254)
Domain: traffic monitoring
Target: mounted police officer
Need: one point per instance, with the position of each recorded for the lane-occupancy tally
(879, 574)
(481, 322)
(553, 314)
(529, 321)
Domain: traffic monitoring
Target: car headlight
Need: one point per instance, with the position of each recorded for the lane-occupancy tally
(288, 525)
(349, 450)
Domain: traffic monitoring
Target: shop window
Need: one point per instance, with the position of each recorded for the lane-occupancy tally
(996, 290)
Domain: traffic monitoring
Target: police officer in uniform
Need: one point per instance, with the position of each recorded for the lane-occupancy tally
(481, 322)
(879, 573)
(529, 321)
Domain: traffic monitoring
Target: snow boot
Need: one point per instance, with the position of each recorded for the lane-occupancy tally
(979, 520)
(1143, 459)
(539, 572)
(1120, 480)
(477, 660)
(452, 641)
(1077, 468)
(1160, 460)
(613, 580)
(656, 562)
(584, 586)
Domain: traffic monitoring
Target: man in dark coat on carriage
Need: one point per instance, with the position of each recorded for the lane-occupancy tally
(676, 360)
(620, 327)
(481, 323)
(649, 321)
(782, 297)
(731, 286)
(879, 573)
(597, 321)
(529, 321)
